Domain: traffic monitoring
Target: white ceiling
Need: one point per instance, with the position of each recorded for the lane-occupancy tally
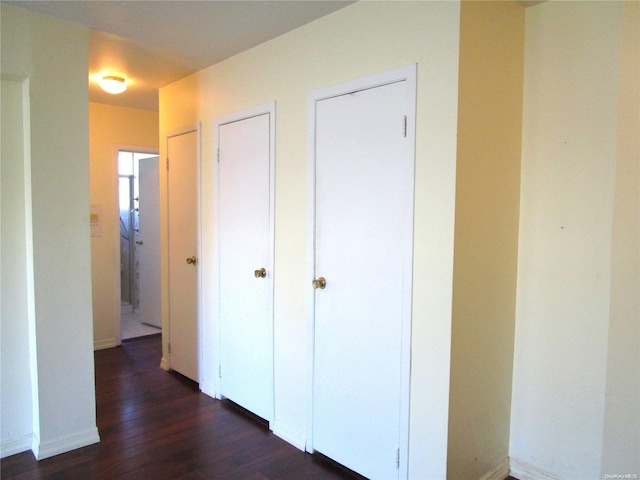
(153, 43)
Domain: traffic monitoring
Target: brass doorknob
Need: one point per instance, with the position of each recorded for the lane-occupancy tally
(192, 260)
(262, 273)
(319, 283)
(139, 242)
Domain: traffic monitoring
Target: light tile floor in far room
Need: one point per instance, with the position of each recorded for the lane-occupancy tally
(132, 327)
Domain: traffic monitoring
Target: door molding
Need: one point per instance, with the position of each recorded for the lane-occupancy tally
(268, 108)
(165, 362)
(409, 74)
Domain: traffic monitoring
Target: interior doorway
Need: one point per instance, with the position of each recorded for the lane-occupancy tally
(132, 285)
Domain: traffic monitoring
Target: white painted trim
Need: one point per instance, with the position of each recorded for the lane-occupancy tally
(193, 127)
(268, 108)
(409, 74)
(165, 363)
(199, 240)
(105, 343)
(288, 434)
(216, 252)
(12, 446)
(208, 388)
(499, 472)
(311, 273)
(526, 471)
(30, 262)
(43, 450)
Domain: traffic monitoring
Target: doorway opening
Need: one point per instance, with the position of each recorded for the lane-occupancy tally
(131, 243)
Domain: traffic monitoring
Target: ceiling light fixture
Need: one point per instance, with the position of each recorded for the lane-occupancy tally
(112, 84)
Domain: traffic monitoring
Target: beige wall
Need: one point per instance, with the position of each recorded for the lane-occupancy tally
(111, 127)
(622, 412)
(362, 39)
(50, 57)
(16, 388)
(575, 386)
(577, 338)
(486, 236)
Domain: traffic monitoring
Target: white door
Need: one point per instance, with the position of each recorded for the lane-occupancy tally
(149, 241)
(245, 262)
(183, 188)
(363, 252)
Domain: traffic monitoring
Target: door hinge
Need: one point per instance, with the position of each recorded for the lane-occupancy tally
(220, 371)
(218, 155)
(169, 347)
(398, 459)
(167, 162)
(404, 126)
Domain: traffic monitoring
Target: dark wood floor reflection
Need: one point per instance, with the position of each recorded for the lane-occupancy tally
(157, 425)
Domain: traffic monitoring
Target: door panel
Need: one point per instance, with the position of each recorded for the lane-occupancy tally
(183, 186)
(362, 179)
(149, 241)
(246, 312)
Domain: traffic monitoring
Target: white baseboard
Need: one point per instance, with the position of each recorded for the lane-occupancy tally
(208, 388)
(164, 364)
(105, 343)
(11, 446)
(526, 471)
(499, 472)
(288, 434)
(65, 444)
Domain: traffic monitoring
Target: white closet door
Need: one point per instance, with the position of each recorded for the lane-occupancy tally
(183, 186)
(246, 271)
(364, 185)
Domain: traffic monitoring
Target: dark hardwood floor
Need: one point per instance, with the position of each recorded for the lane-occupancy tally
(157, 425)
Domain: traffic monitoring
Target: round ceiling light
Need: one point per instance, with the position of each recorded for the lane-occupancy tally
(112, 84)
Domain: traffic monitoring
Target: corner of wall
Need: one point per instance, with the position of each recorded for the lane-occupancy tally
(65, 443)
(105, 343)
(566, 272)
(622, 415)
(288, 434)
(526, 471)
(60, 333)
(13, 446)
(486, 237)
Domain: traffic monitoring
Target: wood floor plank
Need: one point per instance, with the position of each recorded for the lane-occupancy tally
(157, 425)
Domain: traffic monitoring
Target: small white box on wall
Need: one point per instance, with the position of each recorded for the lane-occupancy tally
(96, 220)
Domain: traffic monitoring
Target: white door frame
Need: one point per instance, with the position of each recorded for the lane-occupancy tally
(165, 363)
(116, 149)
(408, 74)
(265, 108)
